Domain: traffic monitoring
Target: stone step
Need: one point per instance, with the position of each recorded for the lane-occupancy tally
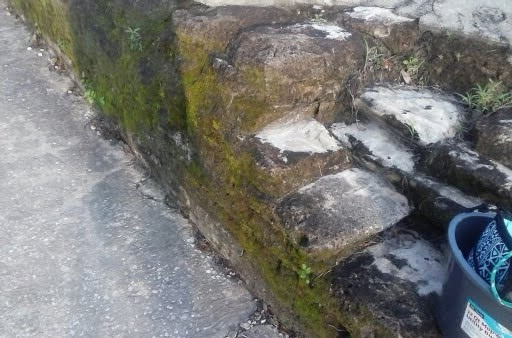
(271, 61)
(297, 152)
(298, 66)
(438, 202)
(470, 171)
(339, 212)
(393, 285)
(420, 115)
(398, 33)
(374, 146)
(379, 151)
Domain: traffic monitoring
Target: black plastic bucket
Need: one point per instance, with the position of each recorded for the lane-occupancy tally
(467, 307)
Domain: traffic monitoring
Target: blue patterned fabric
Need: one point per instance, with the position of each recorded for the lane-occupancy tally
(486, 254)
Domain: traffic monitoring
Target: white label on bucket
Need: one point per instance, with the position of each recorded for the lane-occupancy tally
(478, 324)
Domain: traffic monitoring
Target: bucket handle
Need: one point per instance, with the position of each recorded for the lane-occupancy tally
(495, 293)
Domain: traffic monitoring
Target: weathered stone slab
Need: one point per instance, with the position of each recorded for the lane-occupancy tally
(298, 66)
(419, 114)
(484, 19)
(379, 151)
(487, 20)
(370, 140)
(297, 152)
(342, 210)
(469, 171)
(393, 284)
(437, 201)
(494, 136)
(223, 23)
(308, 136)
(398, 33)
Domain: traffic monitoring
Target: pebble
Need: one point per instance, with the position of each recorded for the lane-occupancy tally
(245, 326)
(39, 54)
(29, 48)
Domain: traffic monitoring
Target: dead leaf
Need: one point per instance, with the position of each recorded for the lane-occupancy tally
(405, 76)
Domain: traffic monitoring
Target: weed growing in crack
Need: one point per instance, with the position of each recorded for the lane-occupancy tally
(318, 18)
(485, 100)
(92, 97)
(411, 70)
(305, 273)
(413, 133)
(413, 65)
(373, 58)
(134, 38)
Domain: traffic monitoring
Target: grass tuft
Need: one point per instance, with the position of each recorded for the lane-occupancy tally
(486, 99)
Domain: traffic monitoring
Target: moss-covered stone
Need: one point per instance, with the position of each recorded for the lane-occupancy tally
(169, 87)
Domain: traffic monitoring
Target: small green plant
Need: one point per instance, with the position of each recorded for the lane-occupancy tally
(484, 100)
(319, 18)
(93, 98)
(63, 44)
(413, 65)
(134, 38)
(413, 133)
(90, 96)
(305, 273)
(374, 58)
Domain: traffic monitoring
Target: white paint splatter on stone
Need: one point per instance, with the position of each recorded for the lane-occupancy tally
(450, 193)
(506, 172)
(378, 14)
(470, 157)
(432, 115)
(379, 142)
(331, 32)
(421, 263)
(307, 136)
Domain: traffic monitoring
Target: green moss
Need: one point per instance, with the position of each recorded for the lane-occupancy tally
(43, 15)
(227, 192)
(170, 85)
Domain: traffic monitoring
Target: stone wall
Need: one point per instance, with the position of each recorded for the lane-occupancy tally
(199, 94)
(159, 87)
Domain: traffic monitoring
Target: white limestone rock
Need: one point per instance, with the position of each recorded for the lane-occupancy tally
(420, 262)
(342, 210)
(379, 142)
(430, 115)
(307, 136)
(378, 14)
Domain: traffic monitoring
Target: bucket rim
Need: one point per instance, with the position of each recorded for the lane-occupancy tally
(457, 253)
